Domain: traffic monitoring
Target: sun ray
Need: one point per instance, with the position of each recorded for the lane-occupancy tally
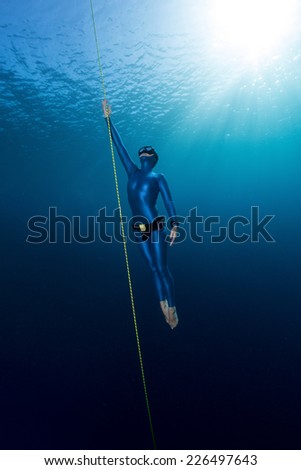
(254, 28)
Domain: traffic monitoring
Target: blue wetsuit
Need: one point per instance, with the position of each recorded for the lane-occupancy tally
(143, 189)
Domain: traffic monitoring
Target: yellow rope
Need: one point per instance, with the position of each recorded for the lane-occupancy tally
(123, 236)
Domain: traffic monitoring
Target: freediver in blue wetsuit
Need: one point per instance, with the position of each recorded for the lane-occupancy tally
(144, 186)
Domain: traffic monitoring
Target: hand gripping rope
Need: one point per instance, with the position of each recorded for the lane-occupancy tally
(103, 91)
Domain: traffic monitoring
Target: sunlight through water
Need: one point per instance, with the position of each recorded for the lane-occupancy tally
(254, 28)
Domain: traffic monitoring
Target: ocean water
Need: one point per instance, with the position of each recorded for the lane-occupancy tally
(227, 129)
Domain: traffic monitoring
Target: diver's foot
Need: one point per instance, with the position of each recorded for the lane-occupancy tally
(164, 308)
(172, 317)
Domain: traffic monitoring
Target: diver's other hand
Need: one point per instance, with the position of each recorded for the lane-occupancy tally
(106, 109)
(173, 235)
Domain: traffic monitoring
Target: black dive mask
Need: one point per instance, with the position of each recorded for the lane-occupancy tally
(153, 156)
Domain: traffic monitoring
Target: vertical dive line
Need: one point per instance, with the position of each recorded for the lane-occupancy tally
(123, 236)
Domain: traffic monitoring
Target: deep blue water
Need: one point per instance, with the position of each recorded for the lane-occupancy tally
(228, 136)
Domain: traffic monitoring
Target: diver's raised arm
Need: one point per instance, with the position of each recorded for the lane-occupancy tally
(126, 160)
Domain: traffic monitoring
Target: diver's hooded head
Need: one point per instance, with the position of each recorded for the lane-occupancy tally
(148, 157)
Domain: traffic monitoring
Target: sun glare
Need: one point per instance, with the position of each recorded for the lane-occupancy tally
(255, 27)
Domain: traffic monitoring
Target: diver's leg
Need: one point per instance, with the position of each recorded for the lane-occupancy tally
(164, 308)
(159, 257)
(159, 252)
(146, 250)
